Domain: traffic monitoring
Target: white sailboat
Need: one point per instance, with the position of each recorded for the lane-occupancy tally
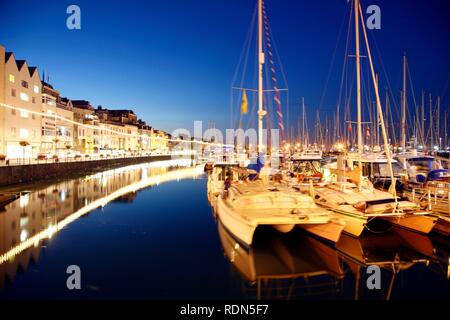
(247, 205)
(357, 201)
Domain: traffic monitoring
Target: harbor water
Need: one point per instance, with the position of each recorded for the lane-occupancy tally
(148, 231)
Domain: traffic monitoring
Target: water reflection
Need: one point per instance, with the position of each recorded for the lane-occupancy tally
(273, 268)
(299, 266)
(39, 215)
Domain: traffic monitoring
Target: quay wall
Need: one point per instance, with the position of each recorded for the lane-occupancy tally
(15, 174)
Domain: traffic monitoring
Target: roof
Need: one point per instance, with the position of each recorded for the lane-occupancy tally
(20, 63)
(47, 84)
(32, 70)
(8, 55)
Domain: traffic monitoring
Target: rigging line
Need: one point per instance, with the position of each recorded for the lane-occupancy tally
(254, 80)
(394, 101)
(344, 72)
(333, 57)
(268, 47)
(246, 59)
(444, 90)
(413, 94)
(274, 44)
(245, 50)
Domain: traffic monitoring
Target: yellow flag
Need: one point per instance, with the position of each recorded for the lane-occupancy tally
(244, 103)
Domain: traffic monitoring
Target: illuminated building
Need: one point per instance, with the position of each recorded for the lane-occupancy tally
(20, 129)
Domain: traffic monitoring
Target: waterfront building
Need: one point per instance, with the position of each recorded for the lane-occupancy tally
(64, 124)
(145, 133)
(112, 136)
(86, 135)
(124, 124)
(36, 121)
(159, 141)
(20, 127)
(48, 133)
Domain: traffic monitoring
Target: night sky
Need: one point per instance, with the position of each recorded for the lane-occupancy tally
(173, 61)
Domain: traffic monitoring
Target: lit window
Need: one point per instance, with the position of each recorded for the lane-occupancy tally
(23, 133)
(13, 131)
(36, 89)
(24, 114)
(12, 78)
(24, 97)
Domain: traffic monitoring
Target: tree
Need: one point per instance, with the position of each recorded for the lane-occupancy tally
(24, 144)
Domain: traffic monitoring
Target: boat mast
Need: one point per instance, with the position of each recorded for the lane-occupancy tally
(303, 122)
(438, 120)
(403, 143)
(431, 125)
(358, 90)
(261, 112)
(423, 119)
(380, 110)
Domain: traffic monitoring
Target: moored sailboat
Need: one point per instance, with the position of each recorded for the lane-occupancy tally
(249, 204)
(352, 195)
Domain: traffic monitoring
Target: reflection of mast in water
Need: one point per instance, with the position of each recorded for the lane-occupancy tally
(278, 265)
(395, 251)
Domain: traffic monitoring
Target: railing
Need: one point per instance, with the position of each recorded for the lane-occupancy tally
(91, 157)
(437, 199)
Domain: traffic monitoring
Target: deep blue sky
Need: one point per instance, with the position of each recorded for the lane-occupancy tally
(173, 61)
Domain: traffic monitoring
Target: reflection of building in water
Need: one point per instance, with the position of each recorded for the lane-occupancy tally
(284, 268)
(38, 215)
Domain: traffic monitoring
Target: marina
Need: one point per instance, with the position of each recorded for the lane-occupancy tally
(214, 264)
(291, 192)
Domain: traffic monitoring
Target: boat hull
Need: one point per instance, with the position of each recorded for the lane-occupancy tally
(244, 230)
(239, 227)
(416, 223)
(329, 231)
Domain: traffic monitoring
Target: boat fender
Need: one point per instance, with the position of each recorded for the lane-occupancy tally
(362, 205)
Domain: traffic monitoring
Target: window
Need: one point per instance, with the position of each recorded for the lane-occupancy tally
(13, 92)
(24, 114)
(34, 133)
(23, 133)
(12, 78)
(13, 131)
(13, 112)
(33, 99)
(24, 84)
(33, 116)
(36, 89)
(24, 97)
